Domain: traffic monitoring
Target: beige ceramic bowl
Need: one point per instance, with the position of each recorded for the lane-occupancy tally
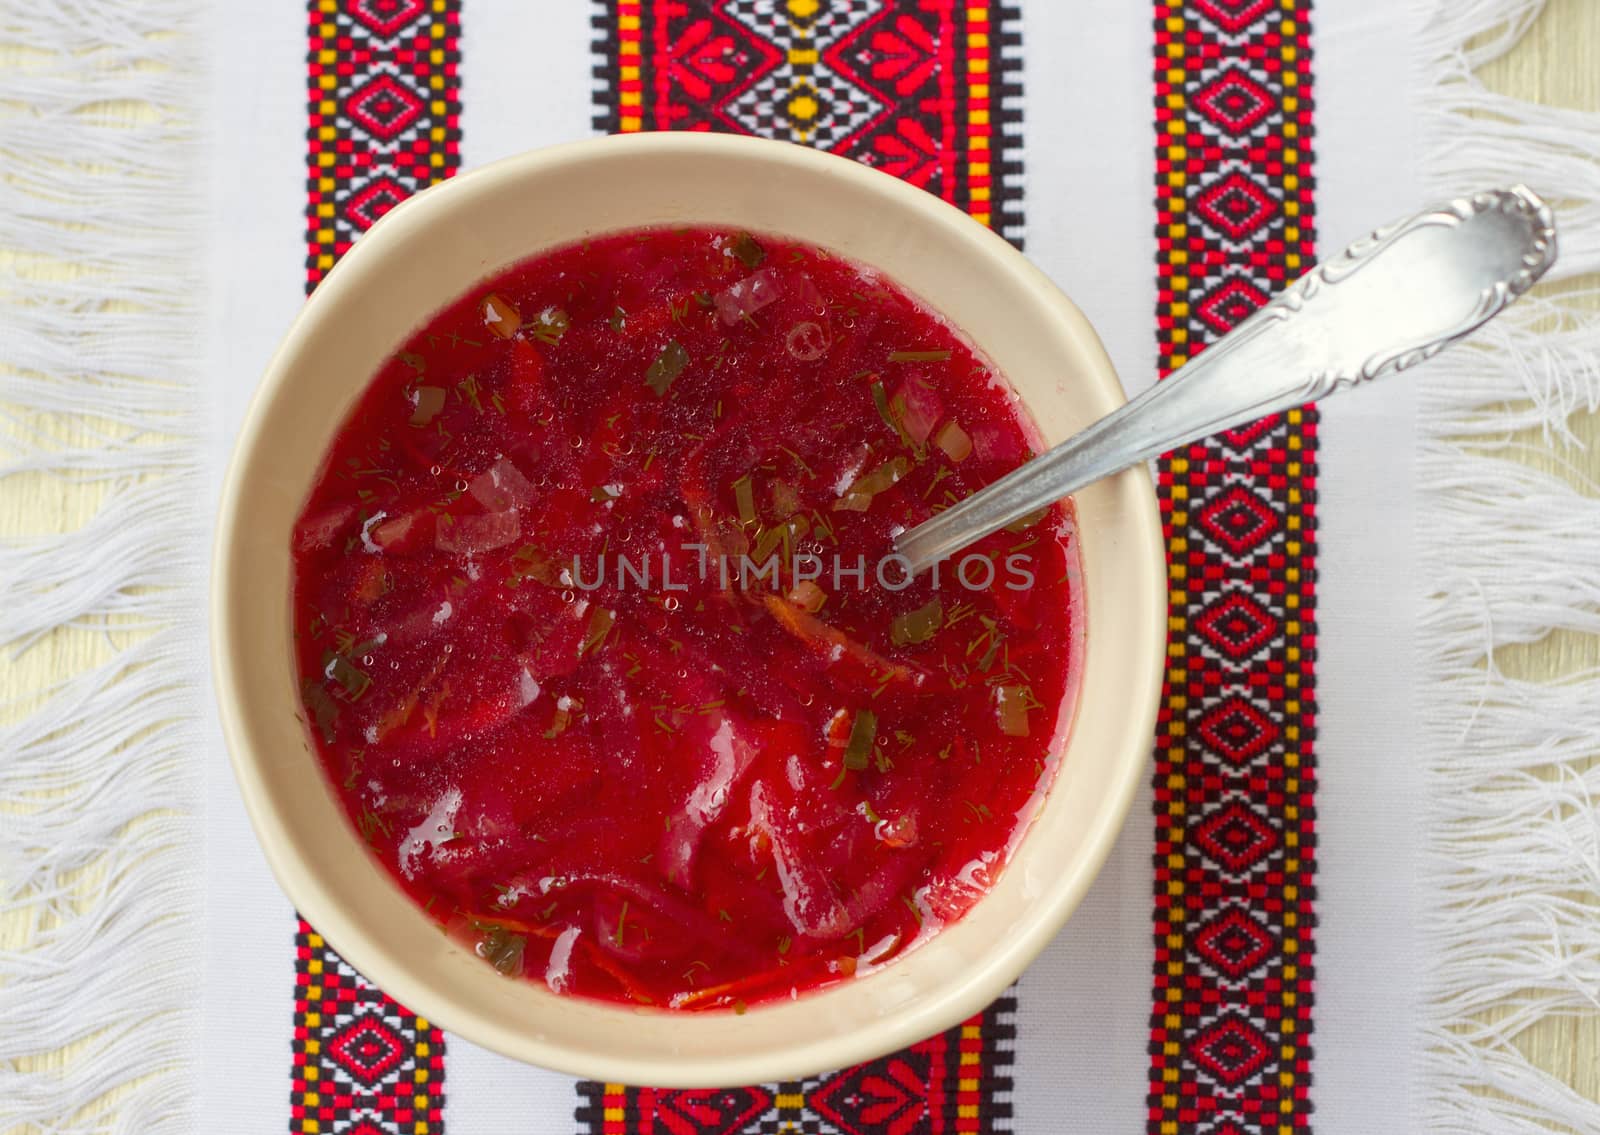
(433, 248)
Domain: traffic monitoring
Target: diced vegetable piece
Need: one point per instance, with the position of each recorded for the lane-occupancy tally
(833, 642)
(549, 325)
(748, 251)
(784, 534)
(533, 563)
(500, 316)
(1011, 709)
(858, 497)
(808, 596)
(747, 296)
(321, 530)
(324, 712)
(600, 624)
(502, 949)
(560, 719)
(919, 356)
(745, 499)
(900, 832)
(785, 499)
(880, 399)
(372, 583)
(992, 444)
(351, 679)
(408, 532)
(469, 535)
(428, 401)
(918, 409)
(807, 341)
(502, 487)
(669, 364)
(920, 625)
(863, 735)
(954, 441)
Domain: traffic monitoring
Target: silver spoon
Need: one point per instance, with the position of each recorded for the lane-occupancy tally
(1388, 302)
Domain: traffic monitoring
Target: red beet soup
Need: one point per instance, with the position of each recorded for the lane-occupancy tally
(603, 647)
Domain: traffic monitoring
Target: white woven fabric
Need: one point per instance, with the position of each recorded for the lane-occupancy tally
(1423, 755)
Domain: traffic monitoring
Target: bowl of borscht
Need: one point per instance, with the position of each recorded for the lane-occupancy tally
(573, 688)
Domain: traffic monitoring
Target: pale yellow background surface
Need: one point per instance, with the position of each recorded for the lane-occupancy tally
(1558, 62)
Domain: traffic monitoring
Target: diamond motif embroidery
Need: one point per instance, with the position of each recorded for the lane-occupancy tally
(369, 203)
(1245, 437)
(722, 1111)
(385, 17)
(1237, 731)
(363, 1064)
(367, 1049)
(383, 107)
(1230, 304)
(926, 90)
(804, 99)
(890, 1097)
(1238, 520)
(1234, 942)
(1235, 838)
(1235, 206)
(949, 1082)
(1233, 16)
(1236, 625)
(1232, 1050)
(1235, 774)
(1234, 102)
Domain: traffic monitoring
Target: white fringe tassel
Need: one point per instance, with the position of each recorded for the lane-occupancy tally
(1512, 875)
(99, 785)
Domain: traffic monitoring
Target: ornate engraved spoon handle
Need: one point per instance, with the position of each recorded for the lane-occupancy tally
(1387, 302)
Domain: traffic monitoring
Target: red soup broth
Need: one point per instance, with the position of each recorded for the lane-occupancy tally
(749, 761)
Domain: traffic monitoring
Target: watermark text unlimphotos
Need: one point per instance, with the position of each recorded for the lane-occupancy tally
(664, 572)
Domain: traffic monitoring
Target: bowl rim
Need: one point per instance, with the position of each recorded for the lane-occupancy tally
(295, 871)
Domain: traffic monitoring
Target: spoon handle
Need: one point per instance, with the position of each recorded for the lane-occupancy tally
(1388, 302)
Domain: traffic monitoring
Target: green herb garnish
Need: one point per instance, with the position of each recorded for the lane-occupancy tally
(954, 441)
(669, 364)
(858, 498)
(324, 713)
(559, 721)
(919, 356)
(745, 498)
(748, 251)
(501, 948)
(549, 325)
(880, 399)
(920, 625)
(430, 400)
(863, 733)
(354, 682)
(600, 623)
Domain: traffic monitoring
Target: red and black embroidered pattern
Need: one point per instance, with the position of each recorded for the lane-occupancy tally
(383, 107)
(952, 1083)
(363, 1065)
(928, 90)
(1234, 777)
